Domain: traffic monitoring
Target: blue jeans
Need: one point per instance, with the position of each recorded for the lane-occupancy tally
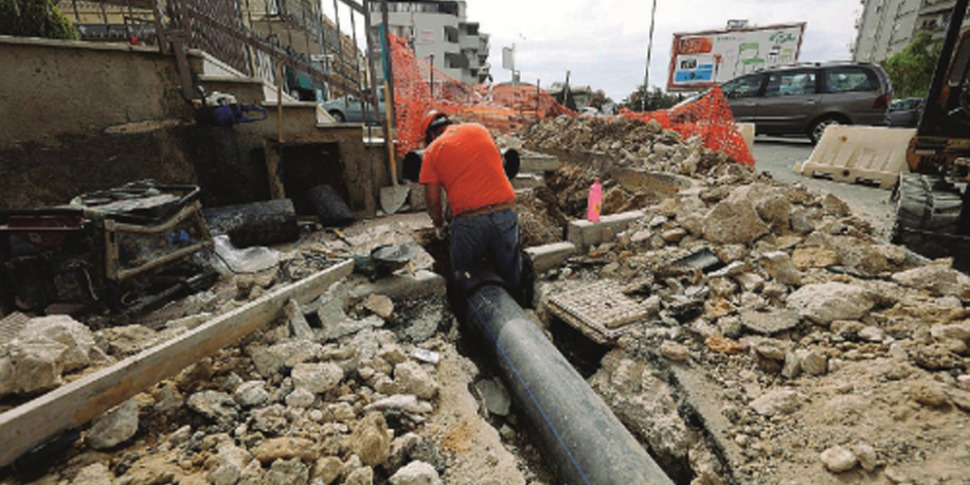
(493, 237)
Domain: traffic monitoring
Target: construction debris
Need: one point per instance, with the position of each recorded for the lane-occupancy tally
(745, 331)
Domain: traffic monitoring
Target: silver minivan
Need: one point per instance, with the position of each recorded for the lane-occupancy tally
(805, 99)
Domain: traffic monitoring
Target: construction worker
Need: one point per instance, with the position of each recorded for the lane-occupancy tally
(463, 160)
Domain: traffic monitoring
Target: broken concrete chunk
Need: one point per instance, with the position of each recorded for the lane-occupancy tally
(215, 405)
(771, 349)
(779, 265)
(774, 209)
(413, 379)
(416, 473)
(271, 360)
(778, 401)
(734, 221)
(866, 455)
(833, 205)
(824, 303)
(770, 322)
(317, 378)
(65, 330)
(114, 427)
(937, 277)
(31, 366)
(813, 362)
(227, 466)
(802, 221)
(96, 474)
(285, 448)
(494, 395)
(955, 331)
(327, 469)
(674, 351)
(370, 440)
(838, 459)
(750, 281)
(928, 394)
(792, 367)
(379, 305)
(127, 340)
(299, 327)
(288, 472)
(732, 269)
(251, 394)
(300, 398)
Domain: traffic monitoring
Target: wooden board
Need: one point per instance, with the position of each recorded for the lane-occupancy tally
(74, 404)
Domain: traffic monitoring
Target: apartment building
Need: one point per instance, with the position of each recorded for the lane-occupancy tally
(297, 28)
(439, 28)
(887, 26)
(884, 28)
(934, 17)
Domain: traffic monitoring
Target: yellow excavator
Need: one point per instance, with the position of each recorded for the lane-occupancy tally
(932, 200)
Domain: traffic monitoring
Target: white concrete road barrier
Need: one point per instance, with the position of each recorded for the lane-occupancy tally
(860, 154)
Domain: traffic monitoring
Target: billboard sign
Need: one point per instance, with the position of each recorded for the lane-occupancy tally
(699, 60)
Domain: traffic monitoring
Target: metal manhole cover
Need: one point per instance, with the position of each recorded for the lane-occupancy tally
(600, 310)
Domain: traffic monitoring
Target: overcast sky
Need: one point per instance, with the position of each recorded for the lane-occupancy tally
(604, 43)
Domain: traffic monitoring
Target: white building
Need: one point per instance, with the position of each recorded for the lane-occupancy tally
(884, 28)
(439, 28)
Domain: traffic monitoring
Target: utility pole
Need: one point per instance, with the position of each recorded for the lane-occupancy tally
(646, 73)
(565, 91)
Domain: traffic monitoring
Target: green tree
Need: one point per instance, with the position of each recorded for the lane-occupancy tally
(34, 18)
(911, 70)
(655, 99)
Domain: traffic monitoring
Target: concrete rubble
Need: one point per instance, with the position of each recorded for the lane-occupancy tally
(781, 341)
(804, 323)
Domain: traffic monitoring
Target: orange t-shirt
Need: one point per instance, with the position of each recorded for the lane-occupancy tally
(466, 162)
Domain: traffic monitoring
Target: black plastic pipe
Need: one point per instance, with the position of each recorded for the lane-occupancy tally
(587, 444)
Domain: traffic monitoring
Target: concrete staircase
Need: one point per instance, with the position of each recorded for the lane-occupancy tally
(297, 122)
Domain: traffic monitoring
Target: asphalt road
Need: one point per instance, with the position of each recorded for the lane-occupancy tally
(778, 157)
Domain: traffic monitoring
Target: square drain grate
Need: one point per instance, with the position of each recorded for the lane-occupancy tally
(600, 310)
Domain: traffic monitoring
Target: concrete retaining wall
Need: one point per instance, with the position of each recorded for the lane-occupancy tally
(60, 96)
(65, 102)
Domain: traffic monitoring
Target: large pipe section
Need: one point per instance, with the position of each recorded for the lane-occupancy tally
(585, 441)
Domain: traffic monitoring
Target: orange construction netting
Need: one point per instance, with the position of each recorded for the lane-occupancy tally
(709, 117)
(507, 107)
(503, 108)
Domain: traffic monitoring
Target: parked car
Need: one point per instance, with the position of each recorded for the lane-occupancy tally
(905, 113)
(349, 109)
(805, 99)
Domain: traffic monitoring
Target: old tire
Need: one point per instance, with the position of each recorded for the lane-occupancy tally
(927, 209)
(338, 116)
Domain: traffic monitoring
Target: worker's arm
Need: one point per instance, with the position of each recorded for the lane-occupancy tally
(432, 196)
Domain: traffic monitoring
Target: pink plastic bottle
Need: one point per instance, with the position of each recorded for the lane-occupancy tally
(595, 201)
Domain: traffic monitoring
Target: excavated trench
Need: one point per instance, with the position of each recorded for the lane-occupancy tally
(583, 354)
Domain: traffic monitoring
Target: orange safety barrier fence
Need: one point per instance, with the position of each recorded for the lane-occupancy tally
(709, 117)
(504, 108)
